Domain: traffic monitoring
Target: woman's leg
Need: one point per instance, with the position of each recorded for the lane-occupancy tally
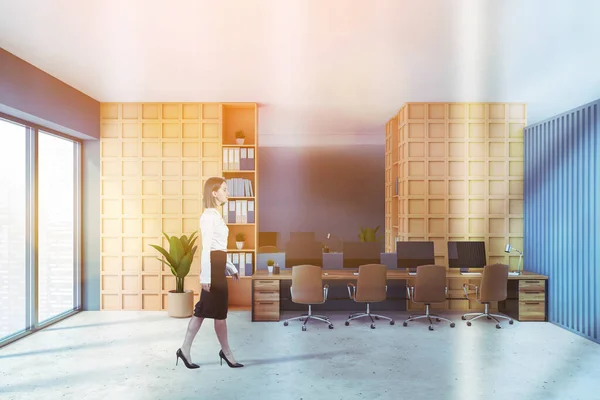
(192, 330)
(221, 330)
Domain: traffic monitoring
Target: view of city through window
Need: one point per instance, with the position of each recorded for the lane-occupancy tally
(56, 220)
(13, 152)
(55, 225)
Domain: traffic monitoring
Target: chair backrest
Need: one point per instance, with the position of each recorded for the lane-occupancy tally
(494, 281)
(307, 284)
(371, 283)
(267, 249)
(430, 285)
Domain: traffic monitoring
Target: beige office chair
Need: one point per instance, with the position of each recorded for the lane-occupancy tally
(430, 287)
(494, 280)
(268, 249)
(370, 287)
(307, 288)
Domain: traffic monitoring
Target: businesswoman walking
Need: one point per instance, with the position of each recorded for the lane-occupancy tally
(214, 295)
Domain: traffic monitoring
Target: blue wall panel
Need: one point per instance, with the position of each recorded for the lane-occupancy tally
(562, 215)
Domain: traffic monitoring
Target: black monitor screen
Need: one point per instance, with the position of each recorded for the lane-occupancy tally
(466, 254)
(413, 254)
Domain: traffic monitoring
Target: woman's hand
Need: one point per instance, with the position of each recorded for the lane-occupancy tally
(235, 277)
(206, 286)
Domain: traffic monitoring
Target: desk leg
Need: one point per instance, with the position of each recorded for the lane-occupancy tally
(510, 306)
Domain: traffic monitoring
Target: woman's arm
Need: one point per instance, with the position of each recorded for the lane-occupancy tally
(207, 226)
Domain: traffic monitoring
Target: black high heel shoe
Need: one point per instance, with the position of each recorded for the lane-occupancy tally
(179, 354)
(222, 357)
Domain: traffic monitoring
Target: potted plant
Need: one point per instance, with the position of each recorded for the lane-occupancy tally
(270, 264)
(240, 238)
(179, 258)
(239, 137)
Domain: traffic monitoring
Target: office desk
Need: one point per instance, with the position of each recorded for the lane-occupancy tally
(526, 300)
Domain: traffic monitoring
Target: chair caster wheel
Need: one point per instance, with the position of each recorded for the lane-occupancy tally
(301, 319)
(372, 326)
(285, 323)
(392, 322)
(438, 320)
(404, 324)
(489, 317)
(430, 327)
(463, 318)
(468, 323)
(376, 317)
(511, 322)
(498, 326)
(303, 328)
(452, 325)
(347, 323)
(331, 326)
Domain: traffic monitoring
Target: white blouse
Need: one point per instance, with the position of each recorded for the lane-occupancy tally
(214, 237)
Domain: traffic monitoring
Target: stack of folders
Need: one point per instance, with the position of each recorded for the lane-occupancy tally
(238, 212)
(242, 261)
(240, 187)
(238, 159)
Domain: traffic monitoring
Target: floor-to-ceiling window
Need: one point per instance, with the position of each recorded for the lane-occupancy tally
(13, 228)
(39, 228)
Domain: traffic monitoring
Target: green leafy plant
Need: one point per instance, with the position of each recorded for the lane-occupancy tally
(240, 134)
(240, 237)
(270, 262)
(179, 257)
(369, 235)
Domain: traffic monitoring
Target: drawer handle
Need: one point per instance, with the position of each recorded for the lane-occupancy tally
(532, 302)
(268, 292)
(266, 281)
(532, 281)
(532, 291)
(262, 302)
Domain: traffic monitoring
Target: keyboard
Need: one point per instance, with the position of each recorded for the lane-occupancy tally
(513, 273)
(412, 273)
(355, 273)
(471, 273)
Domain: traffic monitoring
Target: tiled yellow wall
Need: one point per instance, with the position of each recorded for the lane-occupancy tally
(155, 159)
(460, 173)
(459, 168)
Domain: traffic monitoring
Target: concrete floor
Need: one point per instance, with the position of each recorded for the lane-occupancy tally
(131, 355)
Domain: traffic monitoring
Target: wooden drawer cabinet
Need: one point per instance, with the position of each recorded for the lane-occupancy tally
(266, 300)
(532, 300)
(266, 311)
(532, 311)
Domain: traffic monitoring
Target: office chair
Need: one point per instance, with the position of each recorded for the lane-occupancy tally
(430, 287)
(268, 249)
(494, 280)
(307, 288)
(370, 287)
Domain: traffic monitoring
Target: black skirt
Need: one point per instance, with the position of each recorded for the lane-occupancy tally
(213, 304)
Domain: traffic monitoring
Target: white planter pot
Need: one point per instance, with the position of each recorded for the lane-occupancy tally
(239, 141)
(181, 305)
(239, 245)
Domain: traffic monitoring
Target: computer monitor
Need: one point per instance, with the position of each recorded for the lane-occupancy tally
(465, 255)
(410, 255)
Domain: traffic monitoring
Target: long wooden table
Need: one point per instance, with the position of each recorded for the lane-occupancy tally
(526, 300)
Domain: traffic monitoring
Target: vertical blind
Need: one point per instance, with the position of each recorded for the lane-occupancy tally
(562, 215)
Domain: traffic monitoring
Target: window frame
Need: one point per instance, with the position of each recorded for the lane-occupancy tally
(32, 324)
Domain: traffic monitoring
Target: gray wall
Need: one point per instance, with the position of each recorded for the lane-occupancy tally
(91, 225)
(332, 189)
(31, 94)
